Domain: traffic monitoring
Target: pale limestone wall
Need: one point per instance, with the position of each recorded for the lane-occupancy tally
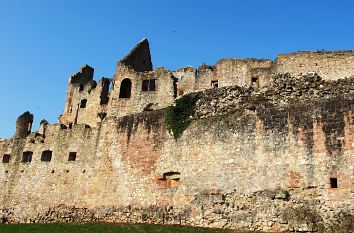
(92, 92)
(231, 72)
(330, 65)
(186, 80)
(162, 97)
(228, 72)
(124, 158)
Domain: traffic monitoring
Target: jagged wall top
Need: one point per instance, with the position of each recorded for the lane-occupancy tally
(83, 76)
(139, 58)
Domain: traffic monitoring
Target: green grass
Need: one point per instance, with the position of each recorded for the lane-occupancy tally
(102, 228)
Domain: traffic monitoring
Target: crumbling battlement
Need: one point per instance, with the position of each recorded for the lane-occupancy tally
(136, 87)
(283, 91)
(255, 149)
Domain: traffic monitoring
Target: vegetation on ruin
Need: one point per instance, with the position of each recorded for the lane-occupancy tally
(100, 228)
(180, 115)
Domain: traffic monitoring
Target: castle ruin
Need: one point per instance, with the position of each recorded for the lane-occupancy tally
(245, 144)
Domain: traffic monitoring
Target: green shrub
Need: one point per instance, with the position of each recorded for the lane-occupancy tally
(179, 116)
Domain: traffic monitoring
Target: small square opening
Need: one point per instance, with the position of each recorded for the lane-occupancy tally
(46, 156)
(149, 85)
(6, 158)
(27, 157)
(72, 156)
(83, 103)
(214, 83)
(333, 183)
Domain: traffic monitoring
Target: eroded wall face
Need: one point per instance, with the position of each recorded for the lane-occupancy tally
(329, 65)
(159, 93)
(260, 159)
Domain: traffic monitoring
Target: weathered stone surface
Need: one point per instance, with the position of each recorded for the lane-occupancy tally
(272, 154)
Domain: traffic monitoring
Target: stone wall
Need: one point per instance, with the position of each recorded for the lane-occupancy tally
(251, 159)
(88, 101)
(85, 99)
(265, 150)
(330, 65)
(161, 96)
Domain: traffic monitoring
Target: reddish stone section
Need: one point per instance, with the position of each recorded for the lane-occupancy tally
(141, 137)
(259, 150)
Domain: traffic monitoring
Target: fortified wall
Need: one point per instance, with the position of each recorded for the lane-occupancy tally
(244, 144)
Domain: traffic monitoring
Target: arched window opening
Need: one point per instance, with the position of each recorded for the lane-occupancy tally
(46, 156)
(125, 88)
(27, 157)
(83, 103)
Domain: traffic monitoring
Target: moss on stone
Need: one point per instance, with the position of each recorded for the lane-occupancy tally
(180, 115)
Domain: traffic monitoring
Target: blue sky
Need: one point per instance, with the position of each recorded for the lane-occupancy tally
(43, 42)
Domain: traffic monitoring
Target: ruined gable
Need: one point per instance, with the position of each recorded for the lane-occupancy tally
(139, 58)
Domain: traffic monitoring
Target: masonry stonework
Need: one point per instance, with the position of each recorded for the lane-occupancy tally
(270, 147)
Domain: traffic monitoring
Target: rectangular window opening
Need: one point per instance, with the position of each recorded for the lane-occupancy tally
(254, 82)
(83, 103)
(6, 158)
(153, 84)
(149, 85)
(333, 183)
(46, 156)
(81, 87)
(27, 157)
(72, 156)
(145, 85)
(170, 179)
(215, 83)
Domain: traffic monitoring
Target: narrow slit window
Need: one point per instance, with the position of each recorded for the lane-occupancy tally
(46, 156)
(145, 85)
(6, 158)
(27, 157)
(81, 87)
(333, 183)
(153, 84)
(72, 156)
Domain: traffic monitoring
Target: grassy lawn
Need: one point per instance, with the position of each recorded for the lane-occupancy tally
(100, 228)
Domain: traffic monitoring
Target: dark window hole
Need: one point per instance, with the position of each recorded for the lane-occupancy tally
(6, 158)
(46, 156)
(333, 182)
(72, 156)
